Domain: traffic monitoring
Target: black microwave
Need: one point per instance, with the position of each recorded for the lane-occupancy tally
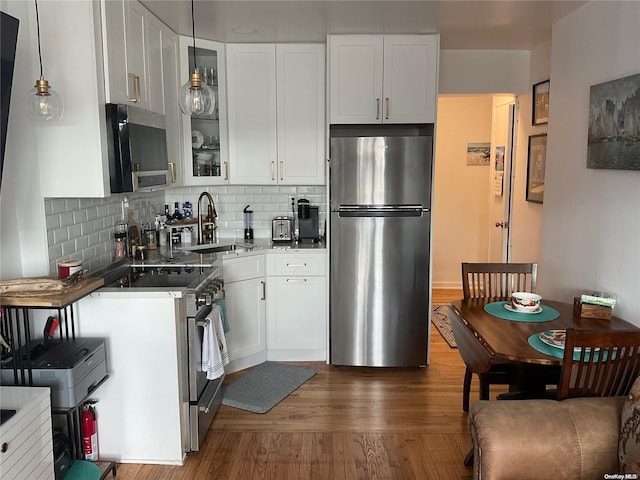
(137, 146)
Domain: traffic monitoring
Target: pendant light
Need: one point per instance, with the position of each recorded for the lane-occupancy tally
(42, 102)
(196, 97)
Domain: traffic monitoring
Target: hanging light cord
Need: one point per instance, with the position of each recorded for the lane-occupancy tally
(193, 33)
(38, 28)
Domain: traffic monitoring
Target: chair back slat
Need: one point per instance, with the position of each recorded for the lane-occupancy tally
(481, 280)
(607, 364)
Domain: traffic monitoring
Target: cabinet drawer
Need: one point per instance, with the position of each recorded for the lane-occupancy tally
(243, 268)
(296, 264)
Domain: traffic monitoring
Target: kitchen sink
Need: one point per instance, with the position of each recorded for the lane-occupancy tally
(217, 248)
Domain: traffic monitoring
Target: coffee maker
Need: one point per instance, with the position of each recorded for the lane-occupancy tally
(308, 226)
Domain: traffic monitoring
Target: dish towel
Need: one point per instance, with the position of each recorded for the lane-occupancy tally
(223, 312)
(214, 345)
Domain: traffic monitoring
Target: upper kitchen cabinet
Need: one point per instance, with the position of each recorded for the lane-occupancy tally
(204, 152)
(276, 113)
(85, 45)
(383, 78)
(133, 53)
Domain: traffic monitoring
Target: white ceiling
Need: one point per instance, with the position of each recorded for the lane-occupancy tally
(462, 24)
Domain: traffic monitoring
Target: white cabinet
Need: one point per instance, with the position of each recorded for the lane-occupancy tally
(72, 158)
(296, 306)
(245, 295)
(276, 113)
(205, 159)
(133, 39)
(251, 73)
(26, 437)
(383, 78)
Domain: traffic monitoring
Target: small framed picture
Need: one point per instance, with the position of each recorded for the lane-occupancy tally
(536, 167)
(540, 103)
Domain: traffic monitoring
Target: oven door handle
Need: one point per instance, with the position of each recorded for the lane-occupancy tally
(209, 396)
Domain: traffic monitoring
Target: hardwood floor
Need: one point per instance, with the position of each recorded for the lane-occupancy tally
(344, 423)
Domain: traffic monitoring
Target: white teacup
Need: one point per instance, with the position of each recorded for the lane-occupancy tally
(525, 301)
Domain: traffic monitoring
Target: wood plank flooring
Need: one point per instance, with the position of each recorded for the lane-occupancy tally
(344, 423)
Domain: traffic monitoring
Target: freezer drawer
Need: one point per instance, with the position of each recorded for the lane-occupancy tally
(379, 290)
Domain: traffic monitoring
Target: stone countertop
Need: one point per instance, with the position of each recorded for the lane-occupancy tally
(160, 258)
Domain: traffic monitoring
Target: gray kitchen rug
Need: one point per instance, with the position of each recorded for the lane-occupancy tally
(440, 320)
(264, 386)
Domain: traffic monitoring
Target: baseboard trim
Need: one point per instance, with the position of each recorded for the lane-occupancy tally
(447, 285)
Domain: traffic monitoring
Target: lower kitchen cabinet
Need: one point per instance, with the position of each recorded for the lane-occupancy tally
(276, 307)
(296, 306)
(245, 295)
(296, 318)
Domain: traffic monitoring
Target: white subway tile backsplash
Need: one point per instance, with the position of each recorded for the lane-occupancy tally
(83, 228)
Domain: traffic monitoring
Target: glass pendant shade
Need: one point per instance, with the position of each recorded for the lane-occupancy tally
(43, 103)
(196, 97)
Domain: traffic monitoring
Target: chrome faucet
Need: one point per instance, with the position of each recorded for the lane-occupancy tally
(207, 225)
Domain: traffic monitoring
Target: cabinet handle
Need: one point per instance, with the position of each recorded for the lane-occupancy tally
(264, 290)
(172, 171)
(226, 171)
(132, 88)
(5, 447)
(281, 170)
(139, 98)
(387, 107)
(296, 264)
(296, 280)
(273, 176)
(377, 109)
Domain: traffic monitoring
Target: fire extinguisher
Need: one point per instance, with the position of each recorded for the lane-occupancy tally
(89, 432)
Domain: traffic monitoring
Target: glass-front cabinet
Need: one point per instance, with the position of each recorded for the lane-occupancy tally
(206, 158)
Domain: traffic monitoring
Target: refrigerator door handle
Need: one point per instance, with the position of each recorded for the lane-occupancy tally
(382, 211)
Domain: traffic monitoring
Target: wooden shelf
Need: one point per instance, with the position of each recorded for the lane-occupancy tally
(57, 299)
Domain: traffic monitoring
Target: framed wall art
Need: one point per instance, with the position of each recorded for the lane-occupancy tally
(614, 124)
(540, 103)
(535, 167)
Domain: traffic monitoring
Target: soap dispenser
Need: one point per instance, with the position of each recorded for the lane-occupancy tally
(248, 223)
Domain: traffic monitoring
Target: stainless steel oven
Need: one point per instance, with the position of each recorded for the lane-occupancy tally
(204, 395)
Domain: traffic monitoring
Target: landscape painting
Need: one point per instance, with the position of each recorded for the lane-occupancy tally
(478, 154)
(614, 125)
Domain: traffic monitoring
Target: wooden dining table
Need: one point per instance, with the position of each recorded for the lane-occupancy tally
(484, 339)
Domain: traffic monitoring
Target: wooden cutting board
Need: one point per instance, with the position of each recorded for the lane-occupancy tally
(51, 298)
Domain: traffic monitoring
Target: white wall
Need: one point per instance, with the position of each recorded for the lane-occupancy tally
(483, 71)
(461, 192)
(591, 225)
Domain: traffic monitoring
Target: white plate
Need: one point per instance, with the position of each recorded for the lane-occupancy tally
(511, 308)
(197, 139)
(555, 338)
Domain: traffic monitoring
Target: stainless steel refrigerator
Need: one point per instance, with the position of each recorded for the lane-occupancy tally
(380, 199)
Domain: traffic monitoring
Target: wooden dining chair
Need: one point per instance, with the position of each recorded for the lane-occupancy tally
(494, 280)
(607, 365)
(607, 372)
(499, 280)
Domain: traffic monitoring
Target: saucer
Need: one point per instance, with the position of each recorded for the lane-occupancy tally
(511, 308)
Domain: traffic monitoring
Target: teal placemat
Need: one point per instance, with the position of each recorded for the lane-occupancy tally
(497, 310)
(539, 345)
